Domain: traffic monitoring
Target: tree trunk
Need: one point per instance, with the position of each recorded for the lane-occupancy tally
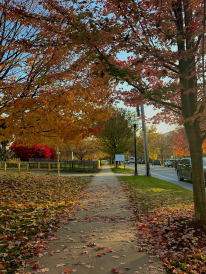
(189, 99)
(197, 172)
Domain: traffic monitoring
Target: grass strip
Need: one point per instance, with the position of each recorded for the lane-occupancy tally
(121, 169)
(165, 225)
(31, 206)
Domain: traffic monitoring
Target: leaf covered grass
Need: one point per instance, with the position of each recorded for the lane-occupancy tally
(164, 220)
(121, 169)
(31, 207)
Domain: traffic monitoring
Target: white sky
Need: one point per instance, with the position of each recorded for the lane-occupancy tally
(149, 112)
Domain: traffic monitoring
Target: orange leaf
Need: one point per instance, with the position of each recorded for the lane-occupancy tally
(99, 254)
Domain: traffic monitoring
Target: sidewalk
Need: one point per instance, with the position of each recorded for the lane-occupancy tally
(100, 238)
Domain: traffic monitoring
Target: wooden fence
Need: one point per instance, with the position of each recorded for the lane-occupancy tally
(70, 166)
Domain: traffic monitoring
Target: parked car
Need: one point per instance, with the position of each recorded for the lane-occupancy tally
(168, 162)
(126, 161)
(156, 163)
(175, 163)
(131, 159)
(184, 169)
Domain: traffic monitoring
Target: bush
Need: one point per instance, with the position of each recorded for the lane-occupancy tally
(24, 153)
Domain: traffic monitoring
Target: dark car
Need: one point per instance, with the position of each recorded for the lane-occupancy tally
(184, 169)
(175, 163)
(156, 163)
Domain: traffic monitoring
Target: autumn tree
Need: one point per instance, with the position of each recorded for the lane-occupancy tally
(45, 92)
(165, 42)
(151, 143)
(85, 149)
(117, 137)
(139, 147)
(158, 144)
(164, 146)
(179, 143)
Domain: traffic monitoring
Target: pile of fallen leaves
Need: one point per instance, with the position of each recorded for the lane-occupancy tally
(169, 232)
(30, 208)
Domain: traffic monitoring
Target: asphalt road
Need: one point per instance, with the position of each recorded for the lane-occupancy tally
(164, 173)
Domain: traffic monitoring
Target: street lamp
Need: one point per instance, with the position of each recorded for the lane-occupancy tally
(134, 120)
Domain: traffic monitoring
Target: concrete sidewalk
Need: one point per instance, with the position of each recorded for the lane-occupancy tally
(100, 238)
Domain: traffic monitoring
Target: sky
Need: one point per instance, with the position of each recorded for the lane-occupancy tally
(149, 112)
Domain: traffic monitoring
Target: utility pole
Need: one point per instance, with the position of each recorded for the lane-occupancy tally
(146, 155)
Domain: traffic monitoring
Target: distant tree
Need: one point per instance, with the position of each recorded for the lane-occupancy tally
(164, 146)
(85, 149)
(179, 142)
(139, 146)
(24, 153)
(154, 139)
(117, 137)
(153, 142)
(5, 153)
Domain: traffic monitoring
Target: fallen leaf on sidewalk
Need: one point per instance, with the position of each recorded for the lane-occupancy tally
(45, 270)
(89, 266)
(60, 265)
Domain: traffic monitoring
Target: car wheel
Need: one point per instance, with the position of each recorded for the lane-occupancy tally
(179, 177)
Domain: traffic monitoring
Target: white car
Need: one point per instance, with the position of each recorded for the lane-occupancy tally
(131, 159)
(168, 163)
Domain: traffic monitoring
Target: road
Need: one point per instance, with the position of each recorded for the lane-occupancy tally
(164, 173)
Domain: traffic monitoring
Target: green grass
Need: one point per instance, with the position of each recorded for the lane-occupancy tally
(153, 191)
(121, 169)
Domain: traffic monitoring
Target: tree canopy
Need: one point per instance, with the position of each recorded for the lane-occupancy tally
(117, 137)
(45, 92)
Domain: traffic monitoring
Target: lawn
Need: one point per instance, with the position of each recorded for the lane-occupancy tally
(31, 207)
(121, 169)
(164, 222)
